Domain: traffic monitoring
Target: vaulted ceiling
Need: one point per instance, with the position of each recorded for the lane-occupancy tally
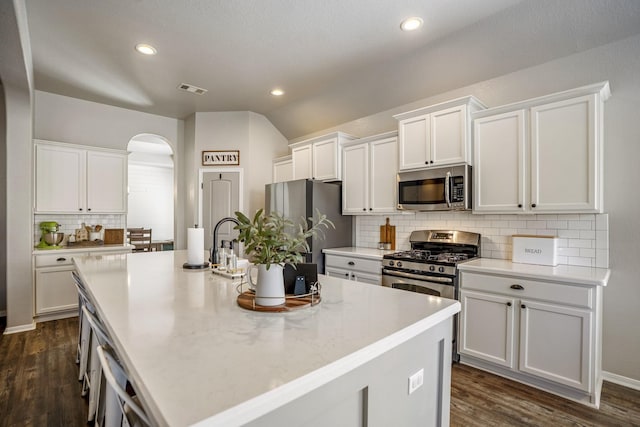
(336, 60)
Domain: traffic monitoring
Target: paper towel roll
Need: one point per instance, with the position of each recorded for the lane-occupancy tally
(195, 246)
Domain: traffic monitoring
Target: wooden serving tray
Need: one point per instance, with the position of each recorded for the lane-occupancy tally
(247, 300)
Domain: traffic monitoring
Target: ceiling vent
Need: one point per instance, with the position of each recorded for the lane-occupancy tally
(191, 88)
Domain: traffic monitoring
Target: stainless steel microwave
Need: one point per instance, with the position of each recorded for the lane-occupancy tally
(437, 189)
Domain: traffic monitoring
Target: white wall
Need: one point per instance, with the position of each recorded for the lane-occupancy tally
(150, 201)
(3, 205)
(16, 73)
(619, 63)
(256, 138)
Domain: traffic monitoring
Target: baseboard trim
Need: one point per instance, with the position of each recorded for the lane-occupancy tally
(620, 380)
(21, 328)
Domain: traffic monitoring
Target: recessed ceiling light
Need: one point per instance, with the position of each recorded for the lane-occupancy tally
(277, 92)
(146, 49)
(411, 24)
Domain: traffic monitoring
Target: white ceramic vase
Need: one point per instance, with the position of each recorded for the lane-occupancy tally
(269, 285)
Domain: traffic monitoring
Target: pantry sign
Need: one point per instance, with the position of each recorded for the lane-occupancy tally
(221, 158)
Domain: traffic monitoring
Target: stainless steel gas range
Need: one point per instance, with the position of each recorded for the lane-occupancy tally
(430, 267)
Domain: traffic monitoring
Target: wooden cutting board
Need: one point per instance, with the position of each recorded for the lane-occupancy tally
(388, 234)
(113, 236)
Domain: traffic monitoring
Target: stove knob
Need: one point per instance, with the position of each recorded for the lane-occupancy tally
(391, 263)
(441, 269)
(432, 268)
(399, 264)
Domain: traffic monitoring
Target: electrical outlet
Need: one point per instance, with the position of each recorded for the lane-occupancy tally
(416, 380)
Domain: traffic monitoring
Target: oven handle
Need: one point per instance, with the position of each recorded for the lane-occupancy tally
(433, 279)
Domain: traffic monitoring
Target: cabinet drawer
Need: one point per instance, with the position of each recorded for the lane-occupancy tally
(552, 292)
(55, 259)
(354, 263)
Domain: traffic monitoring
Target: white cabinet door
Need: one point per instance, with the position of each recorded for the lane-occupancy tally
(60, 179)
(283, 170)
(106, 182)
(499, 163)
(383, 170)
(337, 272)
(564, 157)
(55, 290)
(414, 142)
(355, 179)
(448, 136)
(326, 161)
(372, 279)
(487, 327)
(555, 343)
(302, 162)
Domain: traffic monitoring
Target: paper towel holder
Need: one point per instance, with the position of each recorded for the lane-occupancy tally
(202, 266)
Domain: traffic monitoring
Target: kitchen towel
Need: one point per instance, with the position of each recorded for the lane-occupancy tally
(195, 246)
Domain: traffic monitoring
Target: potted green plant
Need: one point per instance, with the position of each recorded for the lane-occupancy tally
(270, 242)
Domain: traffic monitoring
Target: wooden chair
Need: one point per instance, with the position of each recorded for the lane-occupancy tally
(140, 238)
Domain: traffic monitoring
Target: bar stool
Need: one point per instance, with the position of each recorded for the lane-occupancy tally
(84, 330)
(93, 372)
(121, 409)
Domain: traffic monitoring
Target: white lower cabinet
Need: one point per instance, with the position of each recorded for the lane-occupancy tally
(55, 294)
(354, 268)
(55, 290)
(542, 333)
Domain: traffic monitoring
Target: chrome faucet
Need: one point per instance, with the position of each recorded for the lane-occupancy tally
(213, 258)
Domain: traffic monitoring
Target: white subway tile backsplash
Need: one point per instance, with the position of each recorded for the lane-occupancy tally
(602, 222)
(579, 243)
(602, 239)
(580, 225)
(69, 223)
(583, 239)
(588, 234)
(569, 234)
(602, 258)
(587, 253)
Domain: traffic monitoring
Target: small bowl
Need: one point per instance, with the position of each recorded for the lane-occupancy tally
(53, 239)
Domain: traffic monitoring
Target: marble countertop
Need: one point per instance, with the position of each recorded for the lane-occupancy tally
(81, 249)
(370, 253)
(562, 273)
(196, 357)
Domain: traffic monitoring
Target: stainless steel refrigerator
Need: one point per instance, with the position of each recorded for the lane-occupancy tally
(299, 199)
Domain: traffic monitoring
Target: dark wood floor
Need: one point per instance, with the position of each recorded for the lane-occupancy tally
(38, 387)
(38, 377)
(482, 399)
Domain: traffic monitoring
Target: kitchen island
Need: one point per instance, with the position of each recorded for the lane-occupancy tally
(196, 358)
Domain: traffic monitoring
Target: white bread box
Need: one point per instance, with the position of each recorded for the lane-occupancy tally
(529, 249)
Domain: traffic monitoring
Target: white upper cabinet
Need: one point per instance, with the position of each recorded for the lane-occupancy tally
(543, 155)
(319, 158)
(436, 135)
(76, 179)
(282, 169)
(369, 175)
(106, 182)
(500, 162)
(60, 178)
(302, 162)
(355, 183)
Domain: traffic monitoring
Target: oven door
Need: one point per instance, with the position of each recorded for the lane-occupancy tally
(437, 286)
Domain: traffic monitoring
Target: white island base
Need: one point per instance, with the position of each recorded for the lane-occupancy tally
(377, 393)
(196, 358)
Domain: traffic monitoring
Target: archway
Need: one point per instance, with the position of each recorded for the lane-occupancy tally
(151, 187)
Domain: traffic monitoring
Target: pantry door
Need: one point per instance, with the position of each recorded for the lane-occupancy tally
(221, 194)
